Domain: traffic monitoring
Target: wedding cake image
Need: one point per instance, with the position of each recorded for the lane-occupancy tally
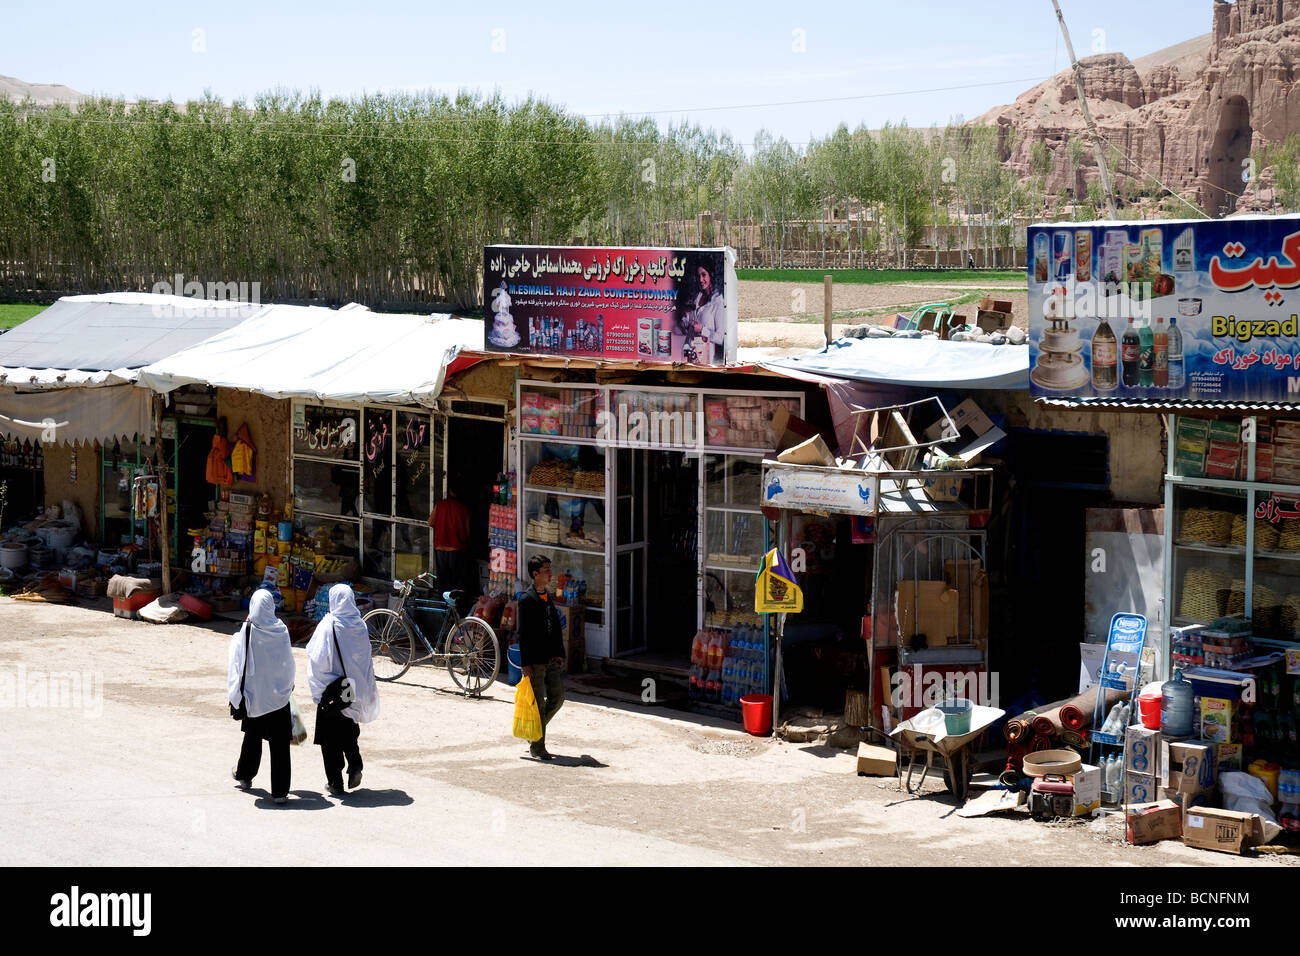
(504, 334)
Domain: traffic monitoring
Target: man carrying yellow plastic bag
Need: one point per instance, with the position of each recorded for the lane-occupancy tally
(528, 720)
(541, 654)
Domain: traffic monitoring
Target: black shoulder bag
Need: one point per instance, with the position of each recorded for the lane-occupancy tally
(339, 693)
(241, 712)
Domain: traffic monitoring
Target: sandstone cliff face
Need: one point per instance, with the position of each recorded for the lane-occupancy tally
(1190, 123)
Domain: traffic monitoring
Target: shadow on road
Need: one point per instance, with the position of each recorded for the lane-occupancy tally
(376, 798)
(586, 760)
(298, 800)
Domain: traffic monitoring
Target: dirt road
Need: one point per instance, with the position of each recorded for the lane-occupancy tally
(135, 769)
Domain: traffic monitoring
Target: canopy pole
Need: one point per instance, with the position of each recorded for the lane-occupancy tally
(162, 493)
(782, 540)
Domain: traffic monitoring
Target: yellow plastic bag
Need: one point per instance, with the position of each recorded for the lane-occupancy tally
(528, 719)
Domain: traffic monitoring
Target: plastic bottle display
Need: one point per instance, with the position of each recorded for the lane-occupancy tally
(1177, 363)
(1176, 707)
(1105, 358)
(1161, 342)
(1130, 354)
(1146, 356)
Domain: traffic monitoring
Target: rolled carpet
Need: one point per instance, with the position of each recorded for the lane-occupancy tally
(1019, 728)
(1075, 713)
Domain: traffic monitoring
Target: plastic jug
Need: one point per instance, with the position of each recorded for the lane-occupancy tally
(1176, 717)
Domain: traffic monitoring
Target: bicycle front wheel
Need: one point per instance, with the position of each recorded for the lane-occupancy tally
(391, 646)
(473, 655)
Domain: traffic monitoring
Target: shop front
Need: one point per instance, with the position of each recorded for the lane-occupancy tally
(646, 500)
(366, 478)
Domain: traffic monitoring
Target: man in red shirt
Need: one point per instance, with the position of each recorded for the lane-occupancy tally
(453, 562)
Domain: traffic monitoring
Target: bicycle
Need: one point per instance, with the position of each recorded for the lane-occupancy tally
(468, 646)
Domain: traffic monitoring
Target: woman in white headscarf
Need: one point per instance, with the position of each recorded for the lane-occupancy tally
(340, 647)
(261, 675)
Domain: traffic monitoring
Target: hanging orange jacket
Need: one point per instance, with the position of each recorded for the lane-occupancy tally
(218, 468)
(243, 457)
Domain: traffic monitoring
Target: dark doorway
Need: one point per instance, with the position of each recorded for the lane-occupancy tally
(475, 457)
(672, 522)
(193, 444)
(1057, 477)
(1231, 148)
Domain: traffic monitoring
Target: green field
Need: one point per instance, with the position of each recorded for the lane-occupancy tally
(886, 276)
(11, 315)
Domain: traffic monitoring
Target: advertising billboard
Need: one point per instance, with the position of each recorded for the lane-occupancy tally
(1172, 310)
(648, 305)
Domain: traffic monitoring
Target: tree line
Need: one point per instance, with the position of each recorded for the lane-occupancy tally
(389, 199)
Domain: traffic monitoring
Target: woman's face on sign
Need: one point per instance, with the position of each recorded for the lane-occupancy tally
(706, 280)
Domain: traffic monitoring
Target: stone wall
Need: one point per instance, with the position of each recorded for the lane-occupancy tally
(268, 423)
(84, 491)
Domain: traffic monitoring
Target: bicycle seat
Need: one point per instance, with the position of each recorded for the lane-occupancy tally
(452, 596)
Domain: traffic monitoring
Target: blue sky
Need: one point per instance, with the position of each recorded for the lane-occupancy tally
(679, 60)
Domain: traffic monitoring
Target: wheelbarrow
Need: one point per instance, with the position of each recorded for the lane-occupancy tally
(933, 739)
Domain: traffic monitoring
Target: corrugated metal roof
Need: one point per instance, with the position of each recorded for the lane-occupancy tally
(116, 330)
(1156, 405)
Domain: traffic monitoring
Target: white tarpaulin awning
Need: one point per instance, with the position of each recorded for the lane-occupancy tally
(917, 363)
(350, 354)
(72, 415)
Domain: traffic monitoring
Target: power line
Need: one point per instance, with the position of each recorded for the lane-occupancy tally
(823, 99)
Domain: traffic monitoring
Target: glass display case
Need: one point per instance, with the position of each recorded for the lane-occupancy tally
(563, 515)
(1232, 531)
(735, 536)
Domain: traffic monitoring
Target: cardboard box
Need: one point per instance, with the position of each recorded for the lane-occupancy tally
(974, 428)
(971, 582)
(942, 487)
(1228, 756)
(1140, 788)
(990, 304)
(929, 608)
(876, 761)
(575, 645)
(813, 451)
(1193, 435)
(1187, 767)
(1087, 789)
(1213, 829)
(1217, 720)
(1189, 464)
(1142, 751)
(992, 320)
(1152, 822)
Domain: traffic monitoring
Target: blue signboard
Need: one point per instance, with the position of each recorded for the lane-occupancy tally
(1173, 310)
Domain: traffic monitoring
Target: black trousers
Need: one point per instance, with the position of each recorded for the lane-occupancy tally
(250, 759)
(276, 728)
(338, 737)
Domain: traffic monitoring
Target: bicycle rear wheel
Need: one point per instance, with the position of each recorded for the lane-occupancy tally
(391, 646)
(473, 655)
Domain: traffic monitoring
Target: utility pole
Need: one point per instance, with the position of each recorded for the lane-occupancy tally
(1087, 115)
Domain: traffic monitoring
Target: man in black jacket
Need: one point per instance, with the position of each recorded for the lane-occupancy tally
(541, 647)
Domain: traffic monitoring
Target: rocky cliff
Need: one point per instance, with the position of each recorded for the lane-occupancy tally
(1188, 117)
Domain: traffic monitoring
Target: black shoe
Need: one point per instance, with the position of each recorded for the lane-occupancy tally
(240, 781)
(354, 780)
(539, 752)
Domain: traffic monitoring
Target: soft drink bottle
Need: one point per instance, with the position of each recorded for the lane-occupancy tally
(1161, 341)
(1147, 356)
(1130, 354)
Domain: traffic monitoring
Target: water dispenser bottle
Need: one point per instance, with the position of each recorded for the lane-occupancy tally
(1176, 706)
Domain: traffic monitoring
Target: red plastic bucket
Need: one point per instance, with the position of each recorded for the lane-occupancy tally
(1149, 711)
(756, 712)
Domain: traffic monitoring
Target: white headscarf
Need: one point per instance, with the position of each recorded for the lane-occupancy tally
(343, 622)
(268, 678)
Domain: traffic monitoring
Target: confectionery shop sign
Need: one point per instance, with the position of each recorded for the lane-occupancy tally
(828, 490)
(647, 305)
(1173, 310)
